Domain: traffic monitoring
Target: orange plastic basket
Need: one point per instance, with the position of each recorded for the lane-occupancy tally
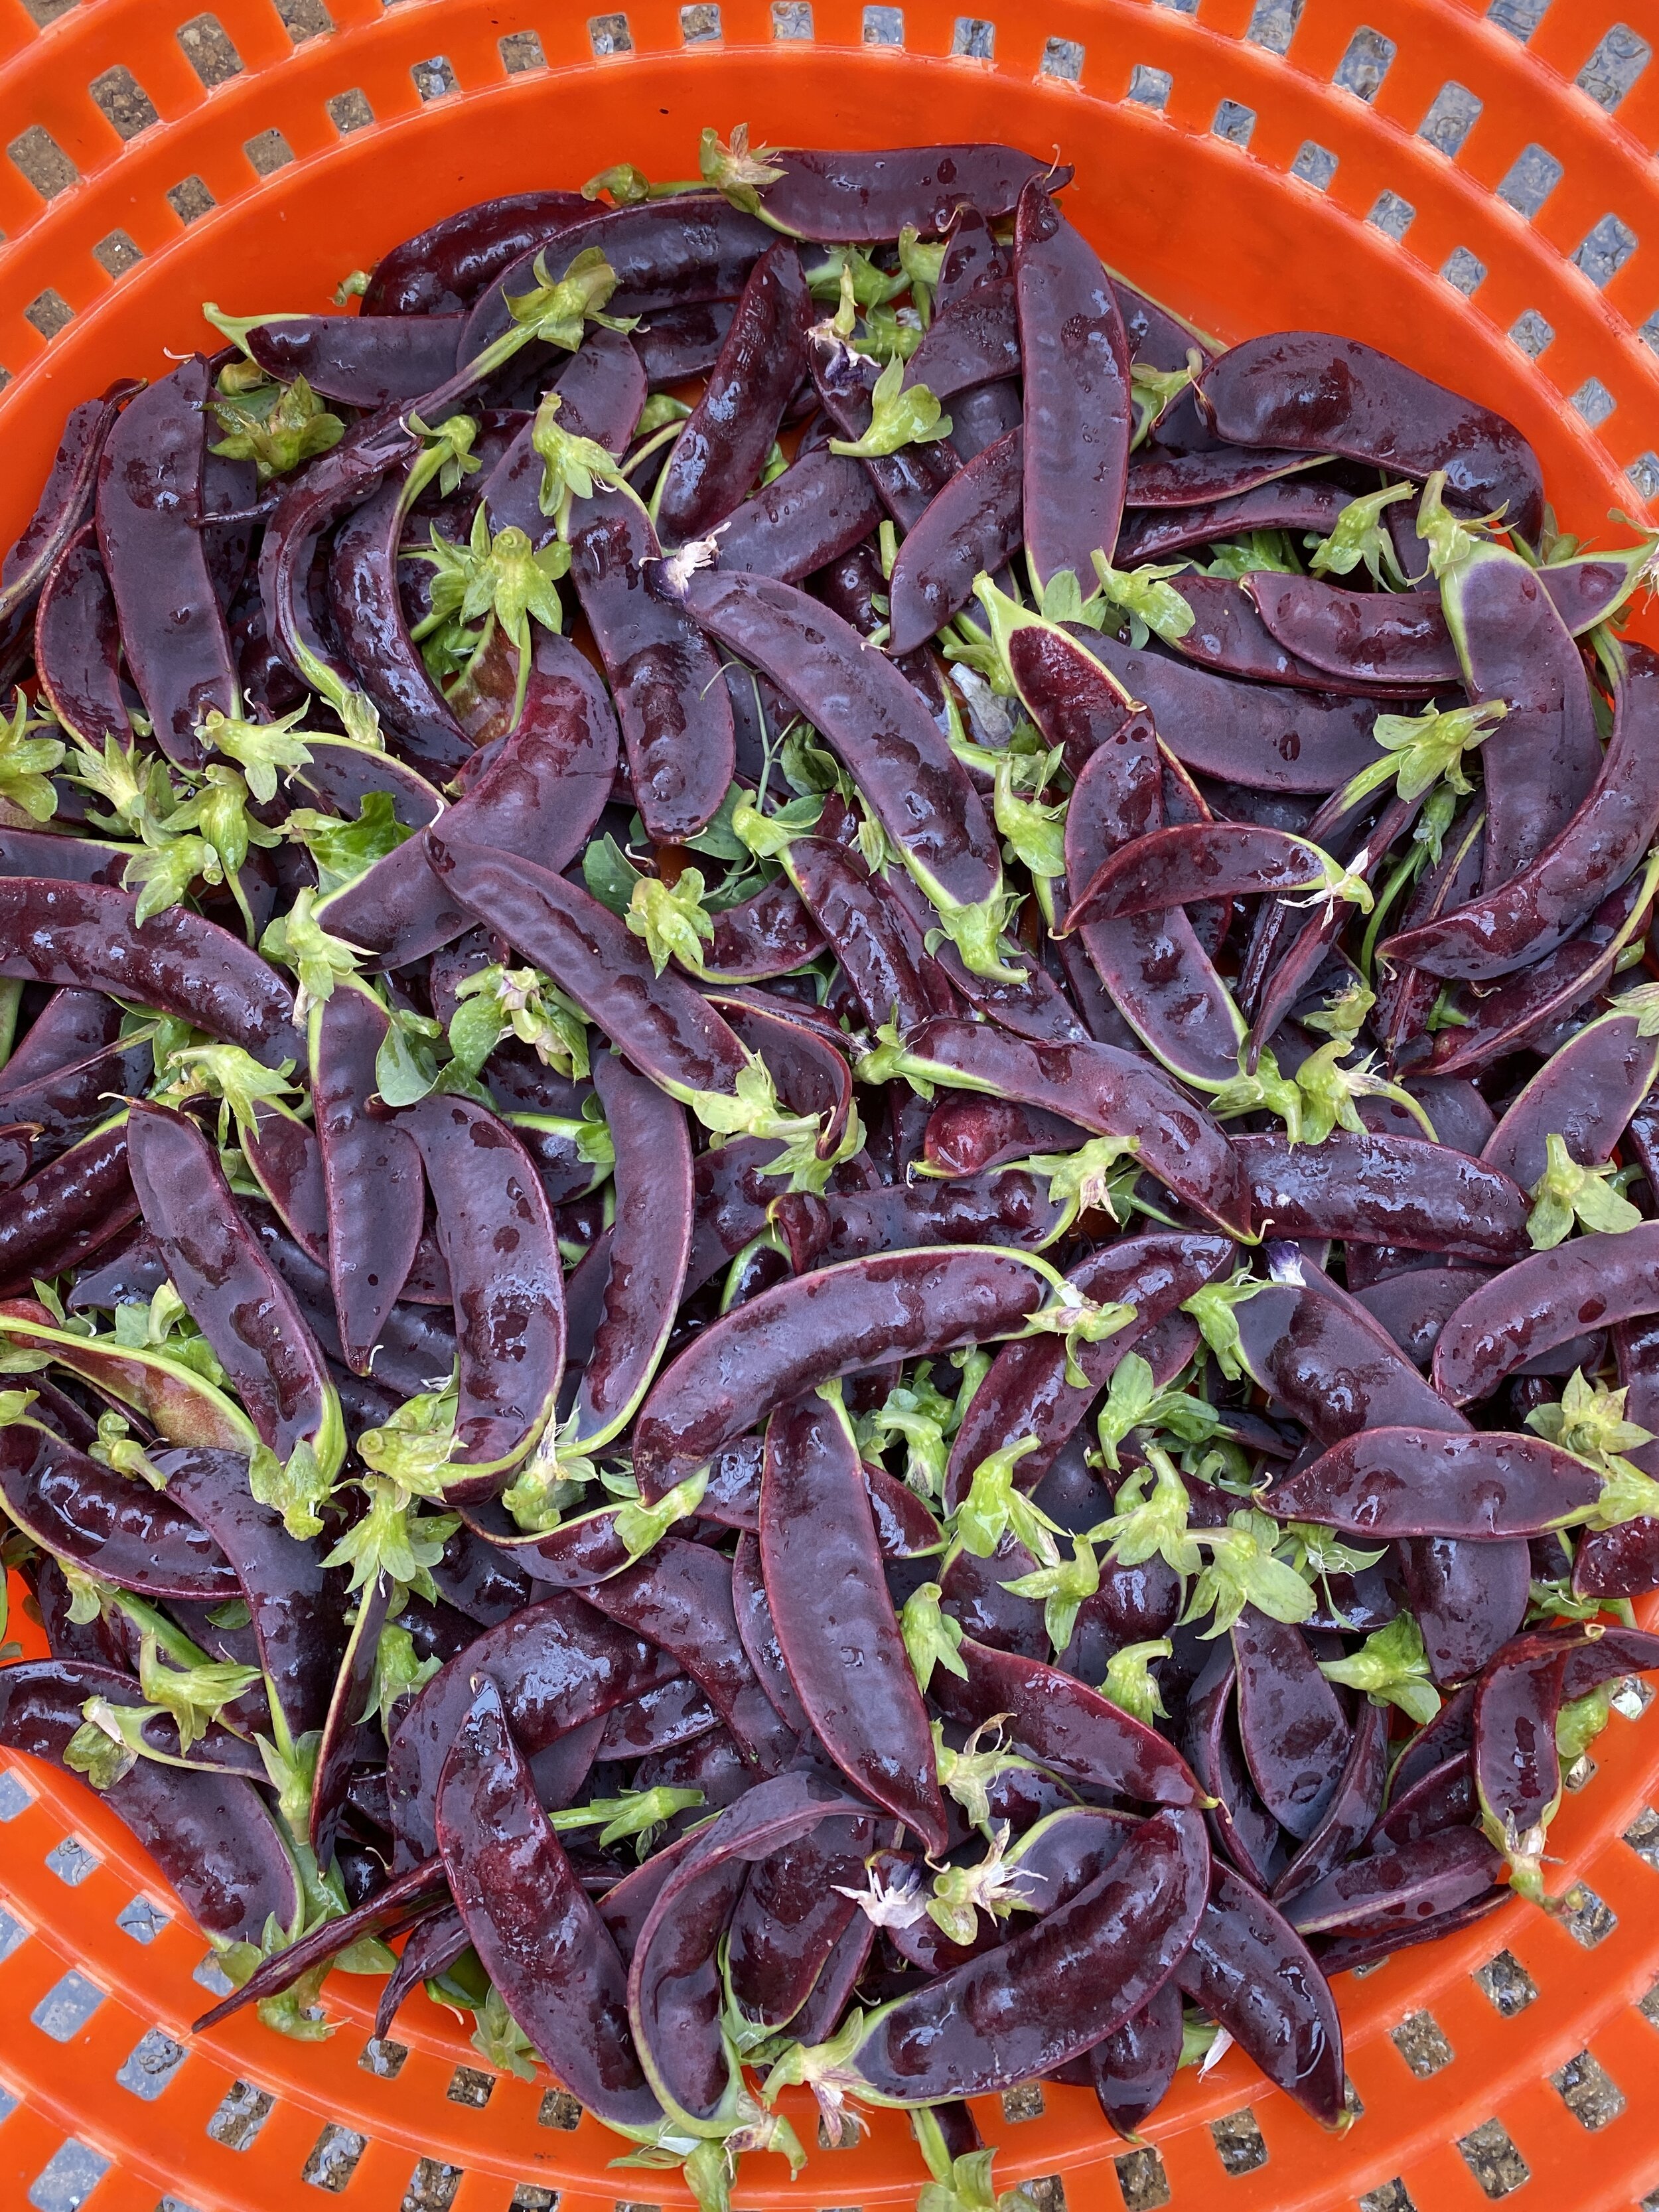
(1471, 187)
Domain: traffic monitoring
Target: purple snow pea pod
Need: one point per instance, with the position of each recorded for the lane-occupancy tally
(1218, 472)
(209, 1833)
(791, 1915)
(837, 1625)
(677, 343)
(1295, 1734)
(1386, 1190)
(1321, 394)
(1286, 503)
(662, 1719)
(1131, 2070)
(1240, 1823)
(1364, 637)
(758, 1632)
(367, 614)
(973, 340)
(350, 1733)
(57, 859)
(820, 508)
(538, 1934)
(969, 1135)
(1585, 1093)
(973, 526)
(449, 263)
(372, 1177)
(68, 1208)
(65, 502)
(1593, 1281)
(365, 361)
(1414, 1304)
(996, 1209)
(105, 1524)
(1077, 412)
(77, 645)
(855, 198)
(1469, 1599)
(1228, 635)
(396, 1907)
(723, 444)
(676, 715)
(1352, 1809)
(1388, 1482)
(768, 934)
(148, 509)
(1398, 1889)
(61, 1105)
(1441, 1798)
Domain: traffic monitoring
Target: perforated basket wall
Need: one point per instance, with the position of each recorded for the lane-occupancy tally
(1474, 189)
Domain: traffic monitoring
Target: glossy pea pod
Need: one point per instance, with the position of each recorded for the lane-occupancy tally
(676, 716)
(85, 937)
(864, 1313)
(367, 614)
(1026, 1393)
(1592, 1281)
(1077, 412)
(1383, 637)
(1592, 857)
(68, 1208)
(65, 501)
(973, 340)
(495, 1230)
(298, 1606)
(1228, 634)
(1585, 1093)
(105, 1524)
(1295, 1736)
(1286, 503)
(906, 482)
(557, 1663)
(723, 444)
(237, 1299)
(1400, 1889)
(972, 527)
(447, 264)
(837, 1627)
(822, 506)
(967, 1135)
(539, 1936)
(209, 1833)
(1351, 1808)
(1240, 1824)
(768, 934)
(350, 1735)
(365, 361)
(1200, 478)
(150, 506)
(804, 1054)
(77, 645)
(371, 1172)
(757, 1631)
(1388, 1482)
(1131, 2070)
(1054, 1991)
(1321, 394)
(1182, 863)
(791, 1915)
(998, 1209)
(857, 197)
(1402, 1191)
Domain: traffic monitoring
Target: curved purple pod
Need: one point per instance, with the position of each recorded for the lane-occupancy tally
(837, 1625)
(1229, 636)
(677, 343)
(1440, 1798)
(77, 645)
(63, 1103)
(1198, 479)
(805, 1056)
(821, 506)
(298, 1608)
(650, 1243)
(287, 1162)
(1398, 1889)
(723, 446)
(149, 508)
(71, 1026)
(967, 1135)
(1364, 637)
(676, 715)
(350, 1733)
(756, 1630)
(56, 858)
(495, 1231)
(662, 1719)
(864, 1313)
(1240, 1824)
(1590, 1281)
(538, 1934)
(1330, 1366)
(539, 796)
(906, 482)
(65, 501)
(365, 361)
(106, 1525)
(992, 1209)
(342, 773)
(1585, 1093)
(372, 1177)
(1286, 503)
(973, 340)
(1594, 855)
(1294, 1734)
(972, 527)
(791, 1915)
(400, 1905)
(855, 198)
(983, 414)
(1051, 1991)
(1185, 862)
(867, 714)
(558, 1664)
(1386, 1190)
(1352, 1809)
(236, 1296)
(1077, 414)
(1131, 2070)
(850, 588)
(1391, 1482)
(1025, 1392)
(68, 1208)
(447, 264)
(768, 934)
(1469, 1599)
(211, 1834)
(1063, 1725)
(601, 391)
(1414, 1305)
(84, 937)
(1254, 1975)
(367, 614)
(1266, 737)
(1111, 1093)
(1321, 394)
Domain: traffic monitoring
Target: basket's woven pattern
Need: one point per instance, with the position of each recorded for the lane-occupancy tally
(1473, 185)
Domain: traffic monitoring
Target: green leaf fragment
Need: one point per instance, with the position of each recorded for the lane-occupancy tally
(902, 415)
(26, 762)
(1244, 1569)
(1420, 750)
(1150, 1518)
(194, 1697)
(1133, 1401)
(1153, 606)
(1392, 1667)
(1214, 1308)
(297, 940)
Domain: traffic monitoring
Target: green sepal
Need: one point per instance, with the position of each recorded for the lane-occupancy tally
(1392, 1667)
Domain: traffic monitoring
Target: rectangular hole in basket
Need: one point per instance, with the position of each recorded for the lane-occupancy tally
(1024, 2102)
(974, 38)
(190, 199)
(383, 2057)
(1061, 58)
(209, 50)
(1234, 122)
(1493, 2159)
(68, 2177)
(558, 2109)
(701, 25)
(1464, 271)
(48, 11)
(610, 34)
(520, 51)
(1238, 2143)
(38, 154)
(884, 27)
(1421, 2043)
(1534, 176)
(1588, 2092)
(1643, 1836)
(1584, 1915)
(1150, 88)
(1614, 66)
(1142, 2179)
(241, 2112)
(1392, 2196)
(333, 2159)
(13, 1934)
(123, 102)
(267, 152)
(1605, 250)
(150, 2065)
(1506, 1984)
(1520, 18)
(15, 1795)
(1272, 24)
(349, 111)
(792, 23)
(432, 2187)
(434, 78)
(72, 1861)
(1452, 115)
(304, 19)
(1531, 333)
(49, 312)
(67, 2007)
(1315, 164)
(1391, 215)
(470, 2085)
(1369, 58)
(531, 2196)
(847, 2140)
